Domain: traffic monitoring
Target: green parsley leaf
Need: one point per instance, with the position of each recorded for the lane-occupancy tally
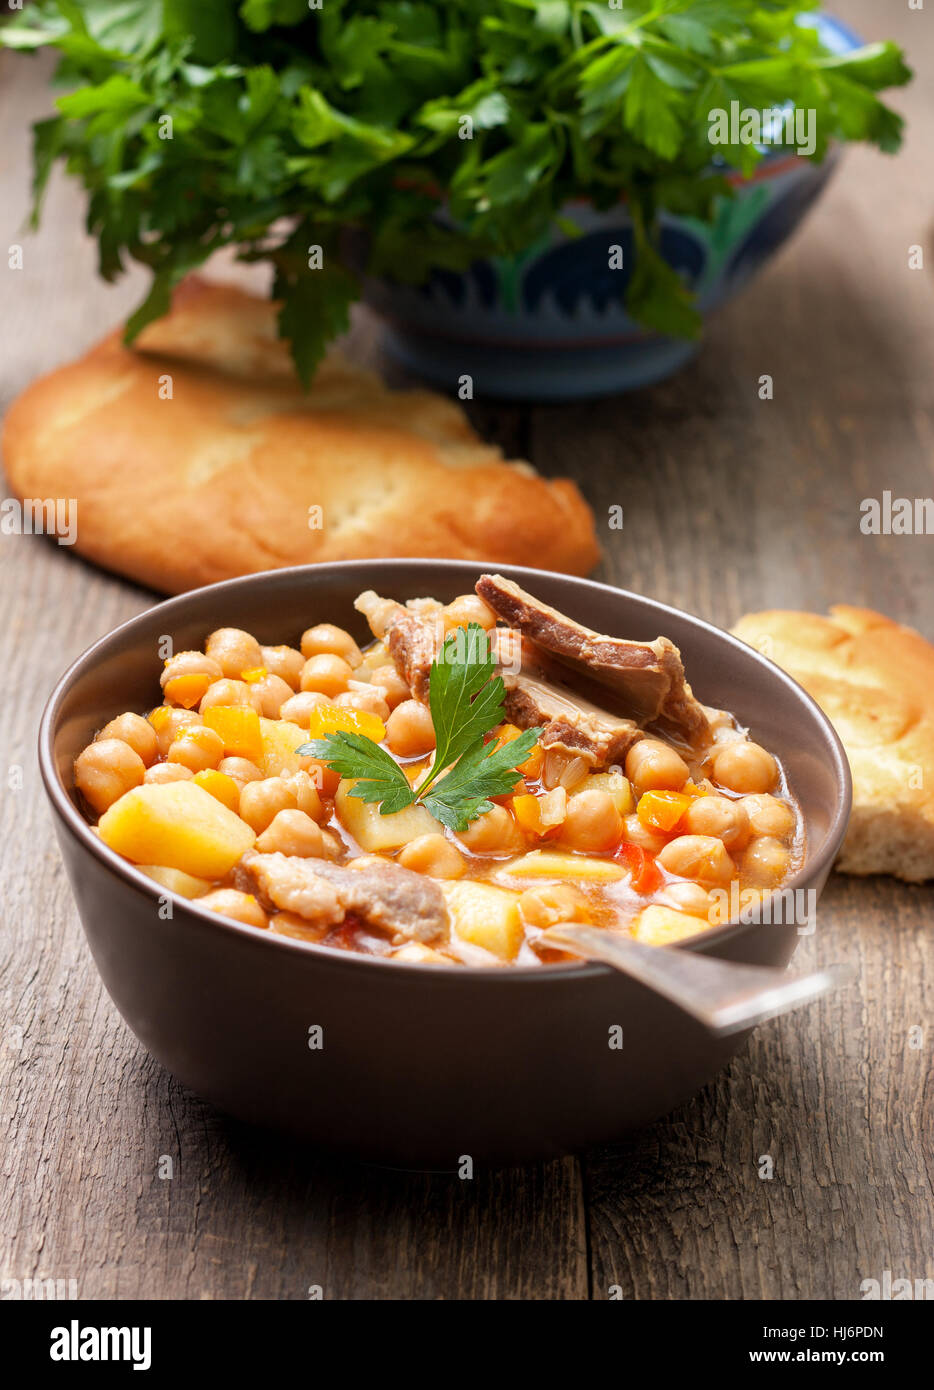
(377, 776)
(482, 771)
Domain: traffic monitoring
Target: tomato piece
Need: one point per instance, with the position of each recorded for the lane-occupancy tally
(644, 874)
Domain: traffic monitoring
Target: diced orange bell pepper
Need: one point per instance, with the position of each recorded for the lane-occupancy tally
(528, 814)
(645, 876)
(221, 786)
(159, 716)
(187, 690)
(532, 766)
(254, 675)
(238, 726)
(334, 719)
(662, 810)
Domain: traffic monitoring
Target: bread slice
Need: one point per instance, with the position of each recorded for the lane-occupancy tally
(875, 681)
(196, 456)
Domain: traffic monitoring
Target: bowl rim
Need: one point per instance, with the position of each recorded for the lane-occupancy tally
(62, 804)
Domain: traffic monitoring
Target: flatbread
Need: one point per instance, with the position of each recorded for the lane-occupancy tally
(196, 456)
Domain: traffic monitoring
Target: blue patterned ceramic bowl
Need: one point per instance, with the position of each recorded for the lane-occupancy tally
(550, 324)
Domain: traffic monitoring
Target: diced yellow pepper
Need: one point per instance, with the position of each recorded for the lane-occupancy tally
(254, 674)
(187, 690)
(238, 726)
(662, 810)
(159, 717)
(219, 785)
(334, 719)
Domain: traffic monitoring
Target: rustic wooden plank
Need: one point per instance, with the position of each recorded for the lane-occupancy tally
(733, 504)
(730, 503)
(87, 1114)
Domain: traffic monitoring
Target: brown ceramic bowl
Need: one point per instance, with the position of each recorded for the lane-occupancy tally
(419, 1064)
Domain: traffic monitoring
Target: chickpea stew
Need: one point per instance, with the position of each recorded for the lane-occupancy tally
(479, 772)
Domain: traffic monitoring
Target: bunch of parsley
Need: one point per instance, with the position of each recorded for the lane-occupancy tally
(275, 125)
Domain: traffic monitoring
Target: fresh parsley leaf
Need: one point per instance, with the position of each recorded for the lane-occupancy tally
(483, 771)
(377, 776)
(464, 694)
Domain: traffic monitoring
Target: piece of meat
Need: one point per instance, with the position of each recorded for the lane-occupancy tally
(406, 905)
(641, 682)
(412, 631)
(571, 724)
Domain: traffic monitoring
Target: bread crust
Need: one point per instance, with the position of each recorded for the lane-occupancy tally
(219, 479)
(874, 678)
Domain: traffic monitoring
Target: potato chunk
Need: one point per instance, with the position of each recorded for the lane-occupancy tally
(486, 916)
(375, 832)
(659, 926)
(185, 885)
(177, 825)
(280, 740)
(543, 863)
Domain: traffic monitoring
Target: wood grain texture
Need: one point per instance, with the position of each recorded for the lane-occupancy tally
(731, 503)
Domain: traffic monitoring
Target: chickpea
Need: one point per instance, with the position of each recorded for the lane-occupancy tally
(241, 770)
(273, 692)
(433, 855)
(468, 608)
(242, 907)
(391, 685)
(231, 692)
(495, 832)
(766, 860)
(700, 857)
(638, 834)
(367, 701)
(745, 767)
(234, 650)
(718, 815)
(592, 821)
(551, 903)
(196, 748)
(292, 832)
(297, 709)
(290, 924)
(307, 796)
(687, 897)
(105, 770)
(324, 639)
(189, 664)
(260, 802)
(409, 730)
(170, 724)
(168, 772)
(326, 673)
(285, 662)
(769, 816)
(653, 766)
(137, 732)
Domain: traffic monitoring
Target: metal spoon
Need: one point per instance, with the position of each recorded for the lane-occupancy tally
(723, 996)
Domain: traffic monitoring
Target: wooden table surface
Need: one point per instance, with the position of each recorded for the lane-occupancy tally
(731, 504)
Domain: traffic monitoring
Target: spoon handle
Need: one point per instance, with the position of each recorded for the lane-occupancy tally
(723, 996)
